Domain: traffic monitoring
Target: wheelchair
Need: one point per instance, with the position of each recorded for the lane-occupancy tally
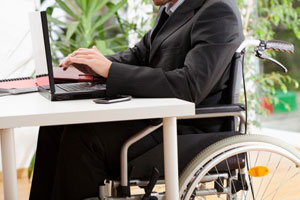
(230, 165)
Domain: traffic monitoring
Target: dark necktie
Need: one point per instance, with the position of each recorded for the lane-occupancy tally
(163, 18)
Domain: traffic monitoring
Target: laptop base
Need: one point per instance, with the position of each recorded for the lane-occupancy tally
(71, 96)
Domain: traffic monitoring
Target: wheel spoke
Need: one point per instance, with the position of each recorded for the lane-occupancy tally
(283, 183)
(219, 176)
(240, 172)
(230, 175)
(254, 154)
(249, 177)
(262, 180)
(256, 158)
(217, 182)
(271, 177)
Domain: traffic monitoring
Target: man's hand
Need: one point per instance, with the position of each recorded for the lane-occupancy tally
(66, 63)
(87, 60)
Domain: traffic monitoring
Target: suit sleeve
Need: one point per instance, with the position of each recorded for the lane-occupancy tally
(215, 36)
(138, 55)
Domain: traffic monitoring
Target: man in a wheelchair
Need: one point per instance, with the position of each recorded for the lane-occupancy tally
(188, 55)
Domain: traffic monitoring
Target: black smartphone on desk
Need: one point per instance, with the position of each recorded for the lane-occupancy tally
(113, 99)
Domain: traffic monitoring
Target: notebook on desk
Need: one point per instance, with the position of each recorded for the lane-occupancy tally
(43, 63)
(29, 84)
(17, 86)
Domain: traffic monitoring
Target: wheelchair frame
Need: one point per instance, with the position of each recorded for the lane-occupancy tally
(109, 191)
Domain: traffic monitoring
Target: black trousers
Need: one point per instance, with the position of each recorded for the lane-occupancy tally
(73, 160)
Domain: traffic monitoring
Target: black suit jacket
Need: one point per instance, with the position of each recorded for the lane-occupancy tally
(188, 57)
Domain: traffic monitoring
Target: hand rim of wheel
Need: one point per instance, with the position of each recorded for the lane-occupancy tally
(236, 144)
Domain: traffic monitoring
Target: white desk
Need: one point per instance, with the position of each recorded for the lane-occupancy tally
(35, 110)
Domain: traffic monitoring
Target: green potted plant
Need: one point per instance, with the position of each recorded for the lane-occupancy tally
(89, 23)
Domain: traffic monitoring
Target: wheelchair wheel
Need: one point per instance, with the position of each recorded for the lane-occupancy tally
(250, 167)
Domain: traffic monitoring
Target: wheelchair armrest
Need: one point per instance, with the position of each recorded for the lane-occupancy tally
(222, 110)
(230, 108)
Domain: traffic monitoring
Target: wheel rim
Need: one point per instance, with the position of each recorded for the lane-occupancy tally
(276, 185)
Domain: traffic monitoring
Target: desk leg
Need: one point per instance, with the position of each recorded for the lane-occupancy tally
(9, 164)
(171, 158)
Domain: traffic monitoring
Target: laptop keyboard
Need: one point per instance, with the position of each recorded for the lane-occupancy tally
(85, 87)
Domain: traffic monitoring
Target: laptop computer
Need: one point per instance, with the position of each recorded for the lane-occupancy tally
(44, 67)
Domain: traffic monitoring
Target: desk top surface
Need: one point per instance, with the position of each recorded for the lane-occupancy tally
(35, 110)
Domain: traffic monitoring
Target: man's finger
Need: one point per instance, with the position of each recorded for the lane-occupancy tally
(66, 63)
(62, 63)
(76, 53)
(83, 51)
(80, 49)
(96, 49)
(85, 56)
(79, 60)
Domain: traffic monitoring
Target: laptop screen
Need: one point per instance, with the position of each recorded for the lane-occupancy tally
(41, 50)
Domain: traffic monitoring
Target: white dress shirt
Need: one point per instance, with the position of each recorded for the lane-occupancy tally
(171, 10)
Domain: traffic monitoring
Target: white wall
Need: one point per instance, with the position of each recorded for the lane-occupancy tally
(16, 61)
(15, 41)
